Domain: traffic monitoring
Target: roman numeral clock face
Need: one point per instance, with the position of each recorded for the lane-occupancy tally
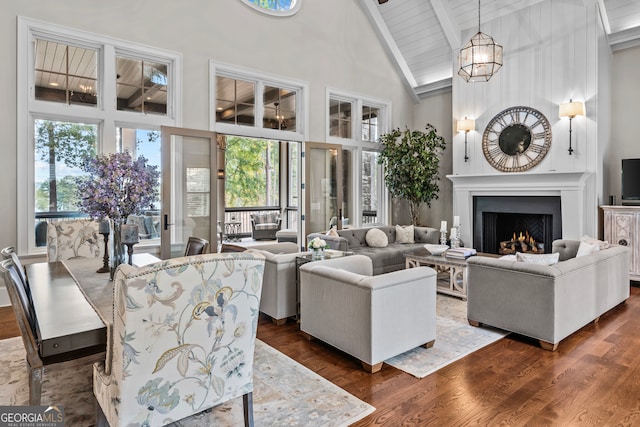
(516, 139)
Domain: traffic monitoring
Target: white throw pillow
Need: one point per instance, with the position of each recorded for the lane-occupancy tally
(601, 244)
(376, 238)
(404, 234)
(542, 259)
(586, 249)
(333, 232)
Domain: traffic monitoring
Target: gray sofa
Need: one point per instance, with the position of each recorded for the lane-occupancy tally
(547, 303)
(387, 259)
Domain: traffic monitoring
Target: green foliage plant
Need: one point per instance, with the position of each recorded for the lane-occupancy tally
(411, 160)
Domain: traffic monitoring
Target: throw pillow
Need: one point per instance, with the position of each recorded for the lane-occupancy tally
(602, 244)
(510, 257)
(586, 249)
(376, 238)
(333, 232)
(404, 234)
(542, 259)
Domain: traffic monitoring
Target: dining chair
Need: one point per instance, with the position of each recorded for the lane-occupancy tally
(196, 246)
(73, 239)
(27, 323)
(183, 339)
(10, 253)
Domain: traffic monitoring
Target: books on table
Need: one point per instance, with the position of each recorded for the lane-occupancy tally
(460, 253)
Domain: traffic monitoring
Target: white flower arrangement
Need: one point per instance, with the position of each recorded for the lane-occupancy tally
(317, 243)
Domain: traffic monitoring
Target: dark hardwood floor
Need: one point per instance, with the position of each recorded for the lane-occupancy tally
(593, 379)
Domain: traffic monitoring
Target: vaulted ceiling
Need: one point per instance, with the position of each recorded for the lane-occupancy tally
(422, 36)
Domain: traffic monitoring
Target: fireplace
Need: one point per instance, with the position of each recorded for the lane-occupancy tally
(500, 219)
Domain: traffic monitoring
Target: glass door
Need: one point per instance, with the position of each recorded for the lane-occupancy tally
(189, 192)
(323, 186)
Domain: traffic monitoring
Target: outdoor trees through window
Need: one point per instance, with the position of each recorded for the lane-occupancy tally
(252, 172)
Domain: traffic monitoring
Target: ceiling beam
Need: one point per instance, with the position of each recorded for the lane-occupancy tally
(389, 43)
(447, 22)
(604, 17)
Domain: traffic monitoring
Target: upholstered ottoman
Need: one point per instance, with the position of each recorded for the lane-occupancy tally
(287, 235)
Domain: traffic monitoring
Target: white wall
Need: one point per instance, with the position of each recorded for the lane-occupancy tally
(328, 43)
(550, 56)
(625, 91)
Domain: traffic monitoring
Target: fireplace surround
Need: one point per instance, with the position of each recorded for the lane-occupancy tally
(576, 191)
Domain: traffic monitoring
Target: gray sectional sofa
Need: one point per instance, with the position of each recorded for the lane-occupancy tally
(386, 259)
(547, 302)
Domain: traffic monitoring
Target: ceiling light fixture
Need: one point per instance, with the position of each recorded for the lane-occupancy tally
(480, 58)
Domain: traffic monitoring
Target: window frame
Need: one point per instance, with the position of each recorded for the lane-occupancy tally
(260, 79)
(104, 114)
(279, 13)
(358, 145)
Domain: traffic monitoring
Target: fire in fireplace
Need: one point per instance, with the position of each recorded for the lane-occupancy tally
(521, 243)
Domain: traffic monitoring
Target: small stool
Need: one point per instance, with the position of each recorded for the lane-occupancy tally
(287, 235)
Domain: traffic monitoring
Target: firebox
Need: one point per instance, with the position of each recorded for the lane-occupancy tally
(509, 224)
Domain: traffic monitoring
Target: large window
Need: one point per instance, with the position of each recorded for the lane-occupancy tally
(65, 79)
(356, 122)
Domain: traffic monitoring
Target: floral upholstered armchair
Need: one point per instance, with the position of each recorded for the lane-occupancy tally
(182, 339)
(73, 239)
(265, 225)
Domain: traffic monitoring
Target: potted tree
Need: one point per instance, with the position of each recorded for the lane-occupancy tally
(411, 160)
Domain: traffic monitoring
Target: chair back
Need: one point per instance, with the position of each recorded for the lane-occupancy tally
(73, 239)
(10, 253)
(22, 309)
(196, 246)
(183, 337)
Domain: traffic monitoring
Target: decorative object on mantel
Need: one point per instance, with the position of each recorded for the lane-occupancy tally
(130, 238)
(480, 58)
(516, 139)
(317, 246)
(104, 228)
(465, 126)
(116, 186)
(571, 109)
(411, 160)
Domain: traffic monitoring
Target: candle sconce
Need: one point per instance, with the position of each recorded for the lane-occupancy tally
(104, 228)
(130, 238)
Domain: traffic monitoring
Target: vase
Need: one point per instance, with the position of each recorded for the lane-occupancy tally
(118, 250)
(317, 254)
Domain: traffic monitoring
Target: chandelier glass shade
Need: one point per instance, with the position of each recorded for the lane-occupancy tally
(480, 58)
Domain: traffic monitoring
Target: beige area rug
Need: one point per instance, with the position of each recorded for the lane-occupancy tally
(455, 338)
(285, 393)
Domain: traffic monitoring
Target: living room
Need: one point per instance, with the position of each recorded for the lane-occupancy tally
(553, 53)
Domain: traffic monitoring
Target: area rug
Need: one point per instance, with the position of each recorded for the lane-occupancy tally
(285, 393)
(455, 338)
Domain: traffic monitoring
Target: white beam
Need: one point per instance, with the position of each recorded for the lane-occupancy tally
(447, 22)
(603, 15)
(392, 48)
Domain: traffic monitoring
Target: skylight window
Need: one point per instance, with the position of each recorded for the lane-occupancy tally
(275, 7)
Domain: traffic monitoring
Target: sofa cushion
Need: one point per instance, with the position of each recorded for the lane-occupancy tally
(586, 249)
(541, 259)
(404, 234)
(376, 238)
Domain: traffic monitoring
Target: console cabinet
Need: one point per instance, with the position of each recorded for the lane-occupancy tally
(622, 227)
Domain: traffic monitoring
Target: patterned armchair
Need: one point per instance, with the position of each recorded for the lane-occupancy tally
(265, 225)
(182, 340)
(74, 239)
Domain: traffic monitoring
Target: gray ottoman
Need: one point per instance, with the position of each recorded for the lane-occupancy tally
(287, 235)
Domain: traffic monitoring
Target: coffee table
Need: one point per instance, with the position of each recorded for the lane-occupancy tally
(452, 277)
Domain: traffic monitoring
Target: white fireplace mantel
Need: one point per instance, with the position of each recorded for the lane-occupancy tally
(576, 191)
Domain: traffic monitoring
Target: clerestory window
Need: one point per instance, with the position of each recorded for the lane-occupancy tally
(275, 7)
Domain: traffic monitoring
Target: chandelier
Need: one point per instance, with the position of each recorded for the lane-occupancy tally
(480, 58)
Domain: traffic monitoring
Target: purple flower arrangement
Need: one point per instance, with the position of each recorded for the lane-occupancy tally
(117, 186)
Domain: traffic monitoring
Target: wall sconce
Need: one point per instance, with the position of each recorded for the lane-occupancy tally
(220, 173)
(465, 126)
(572, 109)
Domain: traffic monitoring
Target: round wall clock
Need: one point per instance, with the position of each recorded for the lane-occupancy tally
(516, 139)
